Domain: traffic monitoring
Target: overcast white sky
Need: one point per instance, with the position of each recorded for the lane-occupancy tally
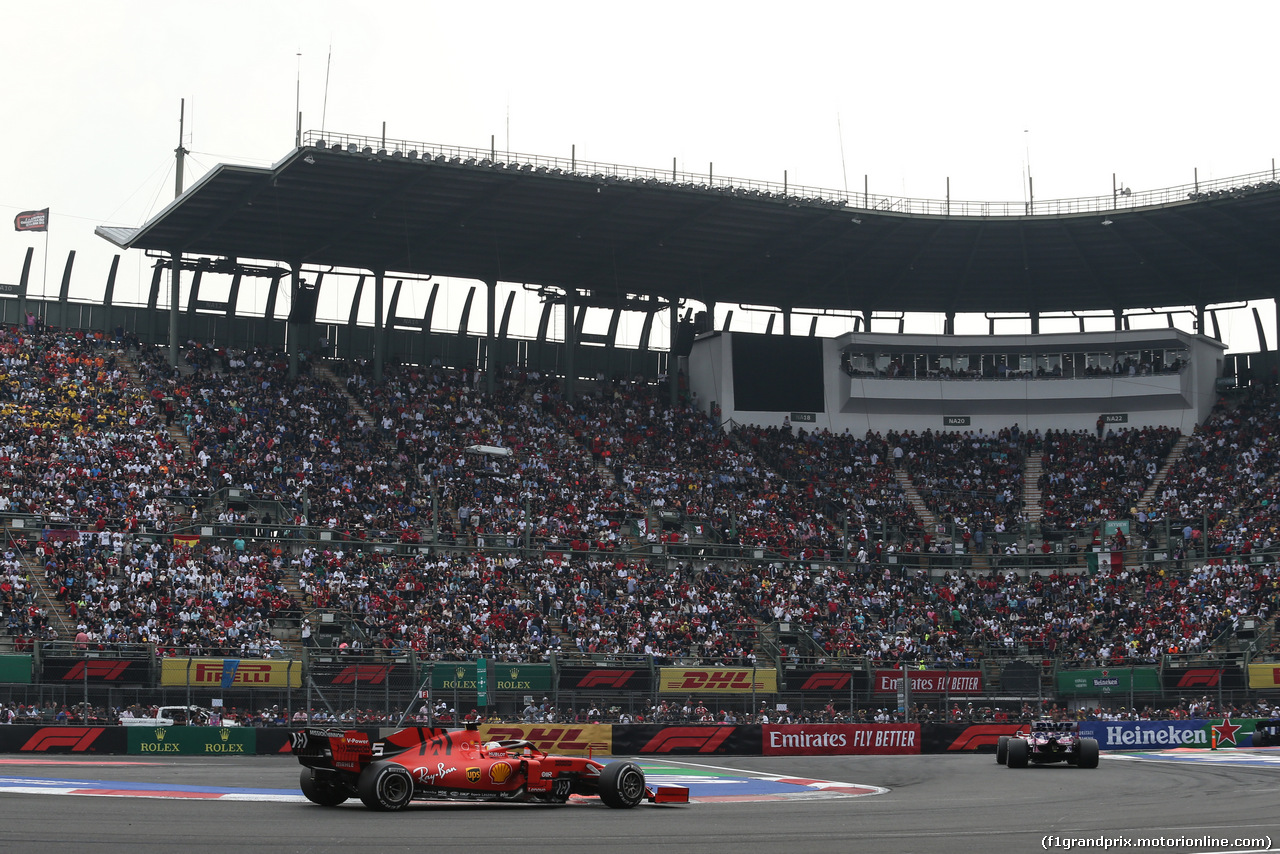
(917, 93)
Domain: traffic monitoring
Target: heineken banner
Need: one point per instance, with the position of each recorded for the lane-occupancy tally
(193, 740)
(15, 669)
(1113, 680)
(499, 676)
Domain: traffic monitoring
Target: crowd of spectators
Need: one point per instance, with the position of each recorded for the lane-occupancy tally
(1087, 479)
(85, 445)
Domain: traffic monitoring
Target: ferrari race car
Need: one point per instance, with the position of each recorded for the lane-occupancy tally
(420, 763)
(1047, 741)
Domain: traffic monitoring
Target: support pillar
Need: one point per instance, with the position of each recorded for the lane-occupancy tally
(379, 345)
(949, 323)
(175, 278)
(1035, 323)
(1201, 329)
(490, 342)
(1119, 315)
(673, 362)
(290, 324)
(570, 344)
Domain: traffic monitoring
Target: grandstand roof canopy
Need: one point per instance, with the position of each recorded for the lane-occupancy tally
(613, 232)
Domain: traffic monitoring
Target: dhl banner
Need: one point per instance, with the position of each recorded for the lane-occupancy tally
(230, 672)
(569, 739)
(1264, 675)
(717, 680)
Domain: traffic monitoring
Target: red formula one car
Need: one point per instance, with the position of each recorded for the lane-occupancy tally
(419, 763)
(1047, 741)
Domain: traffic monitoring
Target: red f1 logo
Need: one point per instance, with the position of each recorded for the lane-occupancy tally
(606, 679)
(76, 739)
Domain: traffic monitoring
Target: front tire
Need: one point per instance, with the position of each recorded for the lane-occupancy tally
(621, 785)
(1018, 753)
(1088, 753)
(1002, 749)
(326, 794)
(385, 786)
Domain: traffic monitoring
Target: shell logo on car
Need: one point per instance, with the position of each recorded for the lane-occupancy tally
(499, 772)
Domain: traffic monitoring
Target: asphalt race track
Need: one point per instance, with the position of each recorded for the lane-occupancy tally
(934, 804)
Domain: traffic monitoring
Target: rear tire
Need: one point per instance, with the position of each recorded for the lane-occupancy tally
(621, 785)
(1088, 754)
(1018, 753)
(1002, 749)
(324, 793)
(385, 786)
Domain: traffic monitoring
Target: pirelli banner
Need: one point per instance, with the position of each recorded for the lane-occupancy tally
(717, 680)
(840, 739)
(568, 739)
(230, 673)
(502, 676)
(605, 679)
(96, 670)
(192, 740)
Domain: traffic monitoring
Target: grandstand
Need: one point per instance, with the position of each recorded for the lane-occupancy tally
(316, 494)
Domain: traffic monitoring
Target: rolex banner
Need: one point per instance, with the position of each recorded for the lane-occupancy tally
(499, 676)
(192, 740)
(32, 221)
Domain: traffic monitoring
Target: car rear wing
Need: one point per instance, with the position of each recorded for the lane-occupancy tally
(347, 750)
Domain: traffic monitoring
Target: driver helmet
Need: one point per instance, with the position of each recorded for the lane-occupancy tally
(491, 746)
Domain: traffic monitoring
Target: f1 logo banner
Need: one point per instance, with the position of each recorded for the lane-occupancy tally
(61, 739)
(63, 669)
(840, 739)
(827, 681)
(1197, 679)
(687, 740)
(717, 680)
(358, 675)
(605, 679)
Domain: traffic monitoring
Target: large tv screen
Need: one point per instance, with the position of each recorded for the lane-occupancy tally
(775, 373)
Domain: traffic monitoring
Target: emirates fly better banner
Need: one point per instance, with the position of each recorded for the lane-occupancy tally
(931, 681)
(838, 739)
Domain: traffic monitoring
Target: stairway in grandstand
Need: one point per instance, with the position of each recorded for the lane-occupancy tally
(44, 598)
(927, 517)
(176, 433)
(1031, 489)
(324, 372)
(1175, 454)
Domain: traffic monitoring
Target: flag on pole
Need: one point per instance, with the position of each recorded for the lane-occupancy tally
(32, 221)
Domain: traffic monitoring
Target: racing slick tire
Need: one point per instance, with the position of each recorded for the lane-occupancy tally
(1088, 753)
(1018, 753)
(1261, 738)
(1002, 749)
(621, 785)
(385, 786)
(324, 793)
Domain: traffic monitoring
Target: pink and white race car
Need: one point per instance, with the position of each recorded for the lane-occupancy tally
(1047, 741)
